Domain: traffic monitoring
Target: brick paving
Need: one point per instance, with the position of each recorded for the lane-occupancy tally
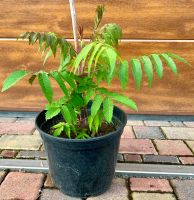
(128, 132)
(178, 133)
(54, 194)
(172, 147)
(17, 128)
(32, 154)
(152, 196)
(177, 124)
(137, 146)
(134, 123)
(19, 185)
(189, 124)
(2, 176)
(117, 191)
(8, 154)
(184, 189)
(32, 186)
(187, 160)
(156, 123)
(150, 185)
(160, 159)
(132, 158)
(148, 141)
(20, 142)
(144, 132)
(191, 145)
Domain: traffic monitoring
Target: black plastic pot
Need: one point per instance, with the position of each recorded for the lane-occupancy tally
(82, 168)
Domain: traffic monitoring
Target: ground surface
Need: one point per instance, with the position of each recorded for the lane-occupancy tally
(143, 141)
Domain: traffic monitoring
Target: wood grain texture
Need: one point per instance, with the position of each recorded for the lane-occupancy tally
(153, 19)
(171, 95)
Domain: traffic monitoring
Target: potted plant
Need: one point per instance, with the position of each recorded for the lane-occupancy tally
(81, 130)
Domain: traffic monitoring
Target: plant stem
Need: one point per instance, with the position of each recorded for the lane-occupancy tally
(74, 24)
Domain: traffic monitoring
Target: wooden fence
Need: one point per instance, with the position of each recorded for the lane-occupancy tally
(148, 26)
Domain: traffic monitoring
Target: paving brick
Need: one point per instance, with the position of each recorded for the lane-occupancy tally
(184, 189)
(156, 123)
(135, 123)
(128, 132)
(18, 185)
(172, 147)
(54, 194)
(42, 148)
(2, 176)
(17, 128)
(32, 154)
(177, 123)
(120, 157)
(20, 142)
(191, 145)
(152, 196)
(24, 119)
(117, 191)
(177, 133)
(150, 185)
(132, 158)
(189, 124)
(160, 159)
(148, 132)
(187, 160)
(8, 153)
(36, 132)
(48, 182)
(7, 119)
(137, 146)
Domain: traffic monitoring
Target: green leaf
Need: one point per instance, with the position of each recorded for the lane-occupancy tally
(96, 105)
(77, 100)
(98, 55)
(49, 53)
(13, 78)
(148, 68)
(137, 72)
(58, 125)
(169, 61)
(96, 123)
(66, 114)
(59, 80)
(88, 96)
(173, 55)
(124, 74)
(157, 65)
(45, 86)
(82, 55)
(99, 15)
(108, 109)
(111, 33)
(94, 52)
(67, 130)
(112, 57)
(83, 135)
(52, 112)
(32, 78)
(57, 132)
(73, 113)
(68, 79)
(125, 100)
(53, 45)
(90, 121)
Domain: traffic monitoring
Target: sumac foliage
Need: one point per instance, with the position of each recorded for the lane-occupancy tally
(79, 75)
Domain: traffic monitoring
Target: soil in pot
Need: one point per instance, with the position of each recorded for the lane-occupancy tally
(103, 130)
